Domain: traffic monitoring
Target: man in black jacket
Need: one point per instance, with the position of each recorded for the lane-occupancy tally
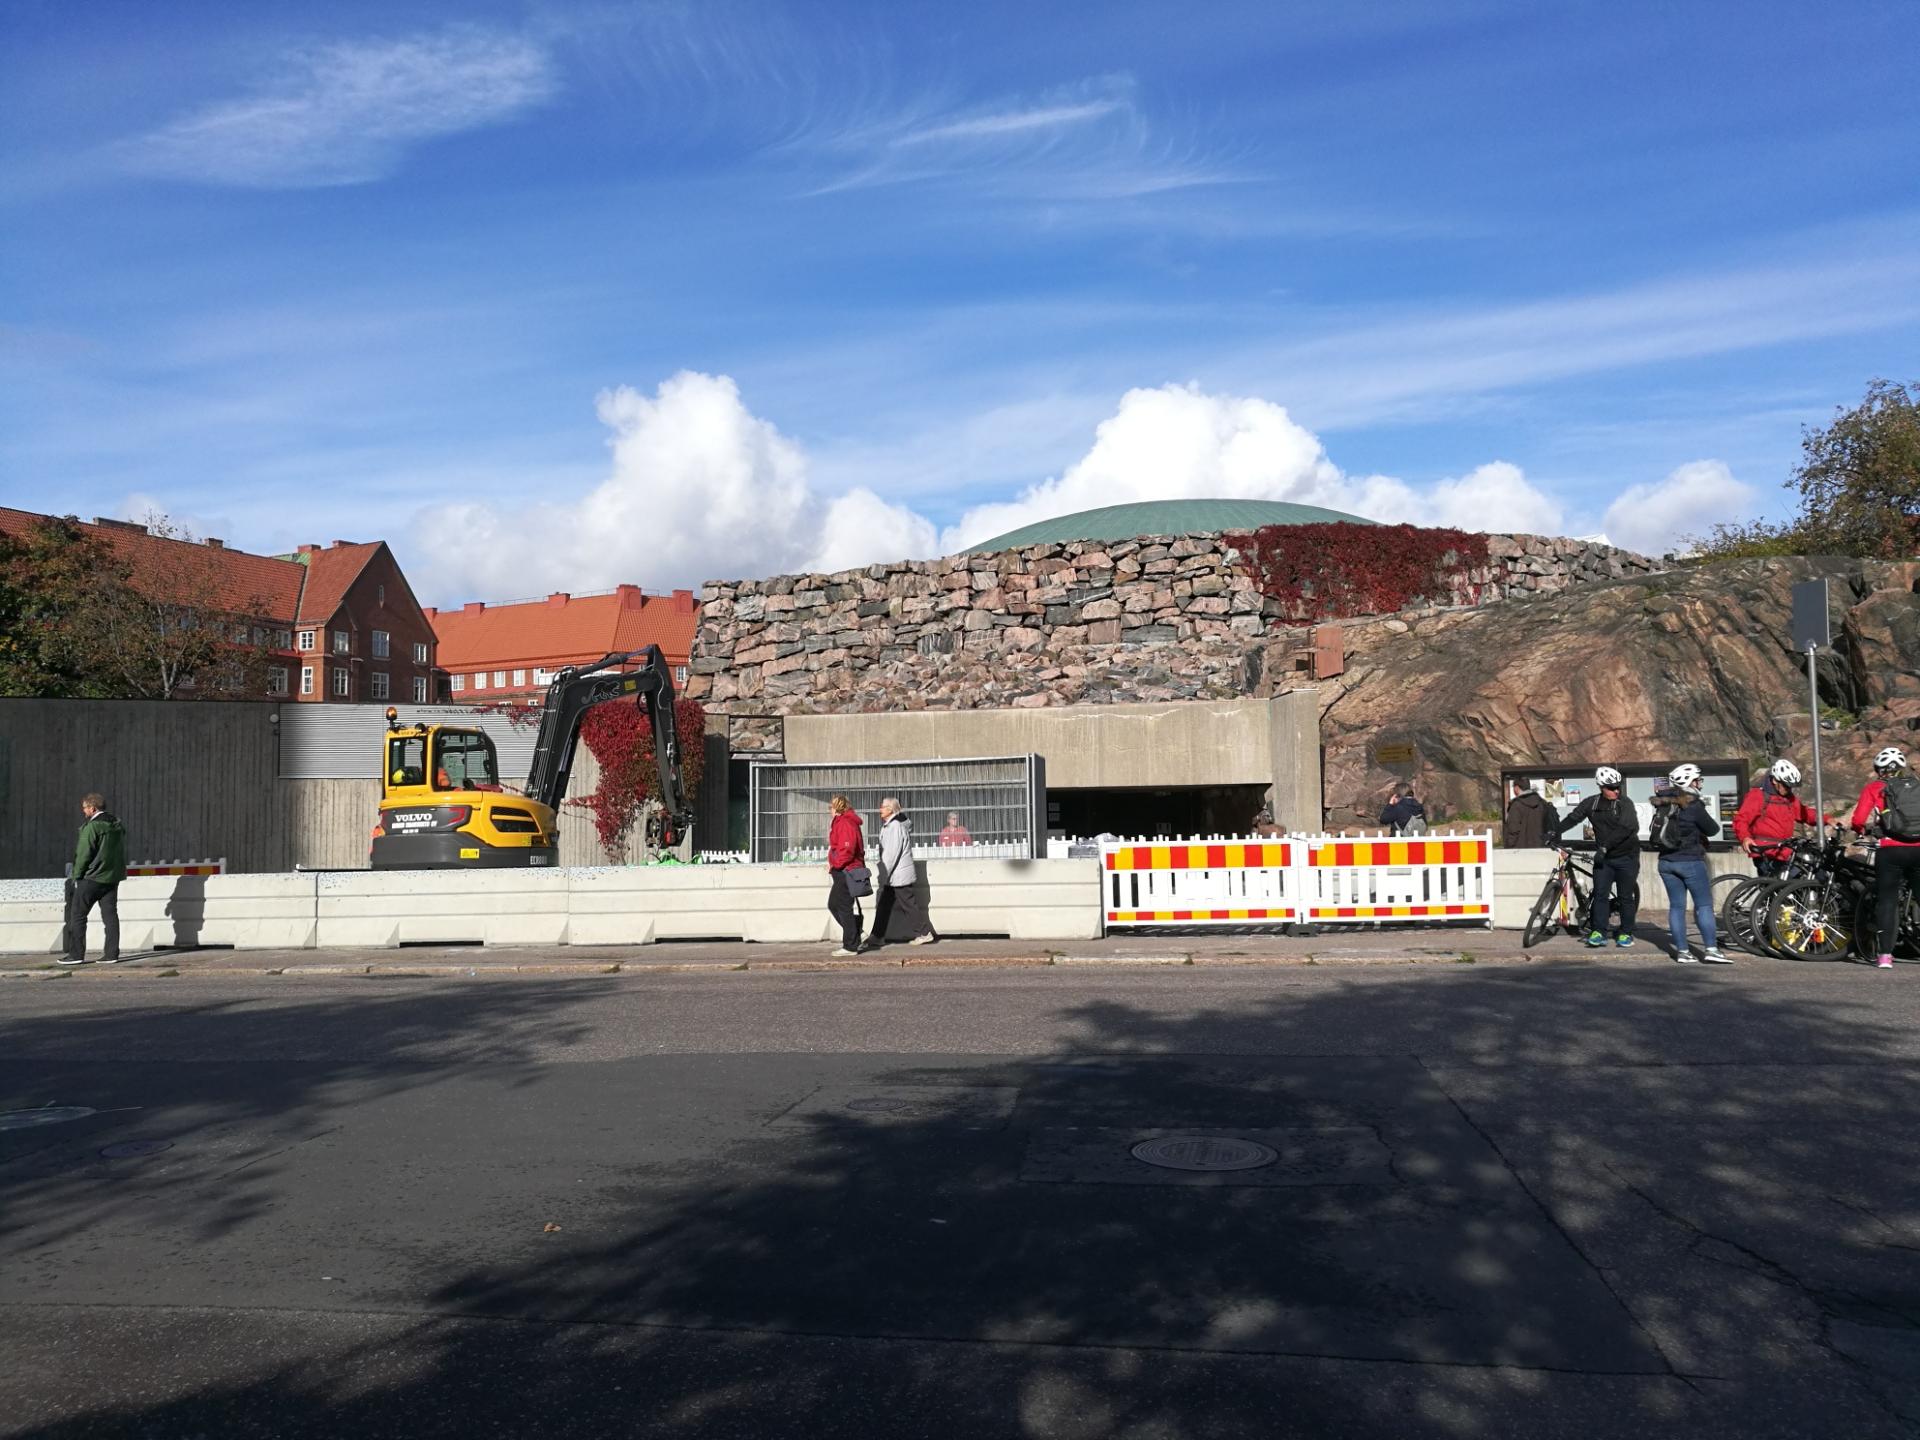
(1616, 855)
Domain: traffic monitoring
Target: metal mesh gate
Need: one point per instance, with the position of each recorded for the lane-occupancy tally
(987, 807)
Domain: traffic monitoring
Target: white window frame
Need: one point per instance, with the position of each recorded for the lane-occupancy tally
(419, 689)
(519, 678)
(459, 684)
(499, 679)
(381, 688)
(382, 644)
(679, 675)
(283, 639)
(306, 679)
(276, 679)
(306, 639)
(419, 652)
(342, 682)
(343, 642)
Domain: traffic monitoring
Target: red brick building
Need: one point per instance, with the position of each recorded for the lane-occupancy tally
(501, 652)
(339, 622)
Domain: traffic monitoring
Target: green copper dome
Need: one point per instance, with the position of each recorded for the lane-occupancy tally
(1164, 517)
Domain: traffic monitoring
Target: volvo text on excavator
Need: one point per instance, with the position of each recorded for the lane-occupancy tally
(443, 806)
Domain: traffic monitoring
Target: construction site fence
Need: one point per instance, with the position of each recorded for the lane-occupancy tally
(1317, 880)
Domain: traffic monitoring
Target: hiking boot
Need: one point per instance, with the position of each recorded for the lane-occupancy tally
(1712, 955)
(1595, 940)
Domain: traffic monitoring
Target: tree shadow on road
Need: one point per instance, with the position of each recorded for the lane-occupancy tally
(1542, 1200)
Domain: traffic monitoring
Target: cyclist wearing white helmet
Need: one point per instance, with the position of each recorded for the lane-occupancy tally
(1616, 856)
(1681, 828)
(1890, 808)
(1768, 816)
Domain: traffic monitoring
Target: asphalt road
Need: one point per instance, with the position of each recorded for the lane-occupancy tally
(1545, 1200)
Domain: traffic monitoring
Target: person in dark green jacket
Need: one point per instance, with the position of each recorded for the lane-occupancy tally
(99, 865)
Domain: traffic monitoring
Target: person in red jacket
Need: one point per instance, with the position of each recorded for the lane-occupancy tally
(1768, 815)
(1896, 862)
(846, 849)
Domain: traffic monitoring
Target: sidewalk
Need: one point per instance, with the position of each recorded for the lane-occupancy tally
(1363, 947)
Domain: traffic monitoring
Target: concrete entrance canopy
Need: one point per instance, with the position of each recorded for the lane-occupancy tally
(1176, 745)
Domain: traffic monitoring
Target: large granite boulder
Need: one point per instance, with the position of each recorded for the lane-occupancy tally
(1692, 663)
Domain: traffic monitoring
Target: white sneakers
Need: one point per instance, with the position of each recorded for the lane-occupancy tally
(836, 954)
(1712, 955)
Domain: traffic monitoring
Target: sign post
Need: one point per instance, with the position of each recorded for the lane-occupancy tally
(1810, 633)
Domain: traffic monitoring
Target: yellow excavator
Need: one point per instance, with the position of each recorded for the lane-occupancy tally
(442, 803)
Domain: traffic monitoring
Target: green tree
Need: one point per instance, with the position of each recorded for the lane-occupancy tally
(1859, 486)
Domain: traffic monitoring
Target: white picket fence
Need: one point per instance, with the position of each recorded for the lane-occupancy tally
(1297, 879)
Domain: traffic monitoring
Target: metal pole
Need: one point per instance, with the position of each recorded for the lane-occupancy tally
(1813, 709)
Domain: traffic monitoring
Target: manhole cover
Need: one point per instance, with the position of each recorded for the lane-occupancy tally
(880, 1105)
(1203, 1152)
(134, 1149)
(45, 1115)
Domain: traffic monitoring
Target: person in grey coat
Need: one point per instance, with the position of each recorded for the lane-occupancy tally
(896, 881)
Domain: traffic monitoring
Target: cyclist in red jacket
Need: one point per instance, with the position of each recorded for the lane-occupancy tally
(1897, 861)
(1768, 815)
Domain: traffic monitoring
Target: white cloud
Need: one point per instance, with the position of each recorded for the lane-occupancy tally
(1659, 516)
(1178, 442)
(701, 489)
(343, 114)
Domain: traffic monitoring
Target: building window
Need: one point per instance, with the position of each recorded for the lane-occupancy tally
(679, 674)
(306, 679)
(519, 678)
(383, 594)
(240, 634)
(283, 640)
(342, 684)
(459, 683)
(380, 692)
(499, 679)
(380, 644)
(276, 679)
(306, 639)
(419, 689)
(419, 652)
(342, 643)
(542, 676)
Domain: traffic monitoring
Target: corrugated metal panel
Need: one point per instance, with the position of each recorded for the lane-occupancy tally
(342, 742)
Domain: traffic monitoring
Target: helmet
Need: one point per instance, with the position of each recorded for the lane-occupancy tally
(1684, 777)
(1890, 759)
(1606, 777)
(1785, 771)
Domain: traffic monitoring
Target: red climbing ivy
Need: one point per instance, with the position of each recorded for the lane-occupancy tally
(1326, 572)
(620, 738)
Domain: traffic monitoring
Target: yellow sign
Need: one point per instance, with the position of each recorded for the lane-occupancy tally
(1395, 754)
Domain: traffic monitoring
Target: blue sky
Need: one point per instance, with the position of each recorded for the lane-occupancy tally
(559, 296)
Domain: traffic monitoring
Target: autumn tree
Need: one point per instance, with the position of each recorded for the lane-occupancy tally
(1858, 482)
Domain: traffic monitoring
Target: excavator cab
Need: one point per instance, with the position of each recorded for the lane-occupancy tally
(442, 805)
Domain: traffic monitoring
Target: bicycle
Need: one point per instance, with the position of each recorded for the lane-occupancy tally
(1562, 903)
(1816, 914)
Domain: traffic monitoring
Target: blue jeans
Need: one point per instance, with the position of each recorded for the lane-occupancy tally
(1684, 877)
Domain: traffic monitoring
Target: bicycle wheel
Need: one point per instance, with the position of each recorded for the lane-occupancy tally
(1866, 927)
(1540, 919)
(1580, 901)
(1738, 917)
(1810, 920)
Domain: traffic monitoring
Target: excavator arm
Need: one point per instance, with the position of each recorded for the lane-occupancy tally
(576, 690)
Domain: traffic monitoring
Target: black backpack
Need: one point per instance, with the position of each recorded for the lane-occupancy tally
(1663, 834)
(1901, 819)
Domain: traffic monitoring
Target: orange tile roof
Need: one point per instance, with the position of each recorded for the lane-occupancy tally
(189, 572)
(330, 573)
(564, 629)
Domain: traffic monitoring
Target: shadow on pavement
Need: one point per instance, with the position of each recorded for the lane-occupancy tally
(1502, 1203)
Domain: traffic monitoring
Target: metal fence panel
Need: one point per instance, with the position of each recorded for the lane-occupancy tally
(1000, 804)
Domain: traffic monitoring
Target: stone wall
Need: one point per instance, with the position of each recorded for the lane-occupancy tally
(1169, 618)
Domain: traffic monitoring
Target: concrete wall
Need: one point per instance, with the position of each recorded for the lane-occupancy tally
(1274, 742)
(1022, 899)
(199, 781)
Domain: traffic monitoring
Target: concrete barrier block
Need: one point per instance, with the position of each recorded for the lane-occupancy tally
(32, 914)
(428, 907)
(772, 904)
(1021, 899)
(248, 912)
(1518, 878)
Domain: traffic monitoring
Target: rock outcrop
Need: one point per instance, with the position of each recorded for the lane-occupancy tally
(1693, 663)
